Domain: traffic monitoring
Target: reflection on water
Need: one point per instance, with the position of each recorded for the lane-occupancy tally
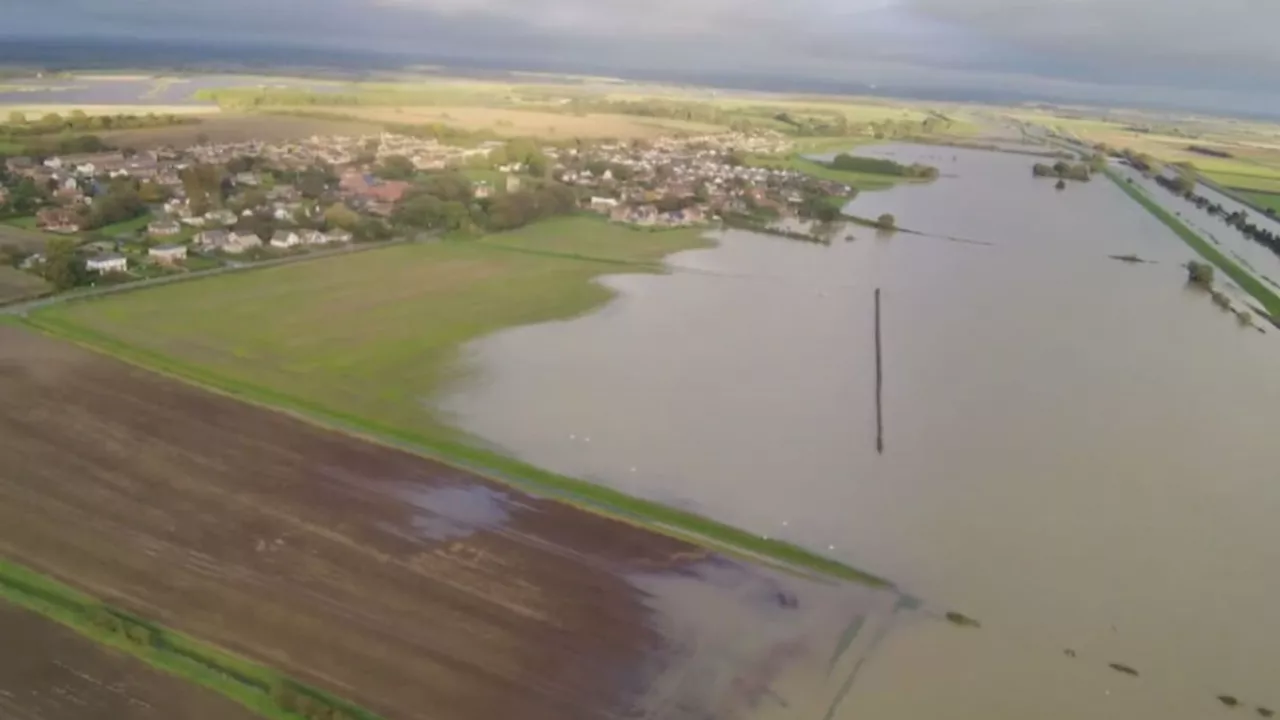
(1078, 451)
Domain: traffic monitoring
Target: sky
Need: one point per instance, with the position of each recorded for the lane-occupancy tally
(1220, 55)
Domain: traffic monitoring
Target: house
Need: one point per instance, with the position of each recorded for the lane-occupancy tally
(107, 263)
(313, 237)
(163, 228)
(388, 192)
(338, 236)
(241, 242)
(481, 189)
(513, 183)
(220, 217)
(31, 261)
(168, 254)
(603, 204)
(247, 178)
(58, 220)
(212, 239)
(285, 239)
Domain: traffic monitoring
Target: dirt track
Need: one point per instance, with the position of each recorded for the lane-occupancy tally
(404, 585)
(49, 672)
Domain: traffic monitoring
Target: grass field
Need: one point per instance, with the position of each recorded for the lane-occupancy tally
(21, 232)
(1265, 200)
(1262, 182)
(375, 334)
(125, 227)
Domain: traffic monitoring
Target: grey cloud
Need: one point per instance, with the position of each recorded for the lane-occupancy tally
(1106, 49)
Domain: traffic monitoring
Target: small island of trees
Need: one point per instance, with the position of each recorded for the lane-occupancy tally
(1062, 170)
(881, 166)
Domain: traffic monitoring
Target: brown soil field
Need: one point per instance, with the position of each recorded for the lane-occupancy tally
(238, 128)
(16, 284)
(49, 672)
(404, 585)
(551, 126)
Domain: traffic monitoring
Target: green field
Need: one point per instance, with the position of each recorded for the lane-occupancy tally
(1265, 200)
(363, 342)
(1260, 181)
(16, 284)
(255, 686)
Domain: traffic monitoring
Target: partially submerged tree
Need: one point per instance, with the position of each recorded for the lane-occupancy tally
(886, 222)
(1200, 273)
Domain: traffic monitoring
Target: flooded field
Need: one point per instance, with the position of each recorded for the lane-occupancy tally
(48, 672)
(1077, 449)
(412, 588)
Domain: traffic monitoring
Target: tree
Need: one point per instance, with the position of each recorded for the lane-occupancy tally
(62, 268)
(396, 167)
(1200, 273)
(153, 193)
(1062, 184)
(17, 118)
(338, 215)
(886, 222)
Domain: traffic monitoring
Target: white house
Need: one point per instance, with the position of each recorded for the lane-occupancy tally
(313, 237)
(285, 239)
(603, 203)
(338, 236)
(164, 228)
(240, 242)
(212, 239)
(168, 254)
(107, 263)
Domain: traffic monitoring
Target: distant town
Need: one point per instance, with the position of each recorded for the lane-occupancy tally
(131, 215)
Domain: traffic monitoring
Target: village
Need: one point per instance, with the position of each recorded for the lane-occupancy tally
(140, 214)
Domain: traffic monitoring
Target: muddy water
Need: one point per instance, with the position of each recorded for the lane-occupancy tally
(1078, 451)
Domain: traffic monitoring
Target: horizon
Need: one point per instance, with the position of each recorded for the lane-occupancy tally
(1102, 52)
(97, 53)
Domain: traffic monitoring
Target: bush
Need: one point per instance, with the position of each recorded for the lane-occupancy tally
(1200, 273)
(886, 222)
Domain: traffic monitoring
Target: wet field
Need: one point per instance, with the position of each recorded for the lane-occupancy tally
(49, 672)
(406, 586)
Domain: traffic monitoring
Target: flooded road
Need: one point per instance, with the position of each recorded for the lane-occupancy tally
(1078, 450)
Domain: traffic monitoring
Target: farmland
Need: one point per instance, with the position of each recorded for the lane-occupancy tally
(231, 127)
(16, 284)
(373, 335)
(507, 122)
(1265, 199)
(404, 585)
(57, 674)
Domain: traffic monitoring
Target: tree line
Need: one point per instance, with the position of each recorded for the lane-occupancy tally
(1239, 219)
(444, 202)
(881, 166)
(1062, 170)
(19, 125)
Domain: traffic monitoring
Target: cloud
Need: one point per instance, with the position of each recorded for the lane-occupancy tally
(1104, 47)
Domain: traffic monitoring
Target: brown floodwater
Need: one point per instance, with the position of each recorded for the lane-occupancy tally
(1079, 452)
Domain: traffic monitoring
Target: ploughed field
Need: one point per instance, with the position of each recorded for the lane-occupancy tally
(49, 672)
(402, 584)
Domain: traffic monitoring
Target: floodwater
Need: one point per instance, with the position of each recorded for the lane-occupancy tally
(1256, 257)
(1079, 451)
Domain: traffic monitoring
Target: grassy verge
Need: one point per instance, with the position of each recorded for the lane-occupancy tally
(254, 686)
(1242, 277)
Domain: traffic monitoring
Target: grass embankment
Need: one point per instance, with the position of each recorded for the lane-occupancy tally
(362, 343)
(1242, 277)
(255, 686)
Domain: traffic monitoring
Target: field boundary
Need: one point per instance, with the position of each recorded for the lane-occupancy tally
(253, 685)
(1250, 284)
(588, 496)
